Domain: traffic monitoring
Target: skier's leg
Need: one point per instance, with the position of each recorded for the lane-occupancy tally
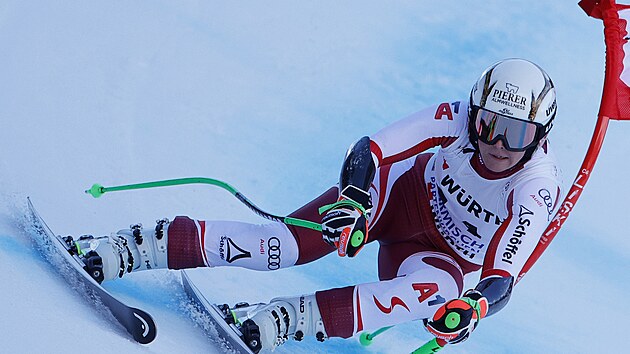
(425, 281)
(268, 246)
(127, 250)
(186, 243)
(173, 244)
(269, 325)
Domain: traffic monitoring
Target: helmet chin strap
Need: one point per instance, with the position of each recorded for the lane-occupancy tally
(528, 155)
(530, 152)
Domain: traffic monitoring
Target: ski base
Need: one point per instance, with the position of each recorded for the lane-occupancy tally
(138, 323)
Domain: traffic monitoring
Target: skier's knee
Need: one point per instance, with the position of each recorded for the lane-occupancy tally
(184, 243)
(444, 266)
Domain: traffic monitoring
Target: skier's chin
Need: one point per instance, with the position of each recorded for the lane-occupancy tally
(497, 159)
(497, 165)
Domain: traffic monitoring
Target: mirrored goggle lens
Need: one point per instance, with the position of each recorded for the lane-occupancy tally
(517, 134)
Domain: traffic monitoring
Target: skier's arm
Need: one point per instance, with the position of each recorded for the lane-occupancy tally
(438, 125)
(530, 209)
(357, 172)
(497, 291)
(345, 225)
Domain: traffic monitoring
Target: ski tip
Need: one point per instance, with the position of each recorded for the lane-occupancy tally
(146, 330)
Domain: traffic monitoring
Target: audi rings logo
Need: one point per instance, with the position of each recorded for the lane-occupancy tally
(273, 253)
(547, 199)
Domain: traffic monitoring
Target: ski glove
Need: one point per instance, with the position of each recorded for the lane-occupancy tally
(456, 319)
(345, 225)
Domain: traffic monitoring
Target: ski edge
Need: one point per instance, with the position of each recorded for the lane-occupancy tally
(226, 332)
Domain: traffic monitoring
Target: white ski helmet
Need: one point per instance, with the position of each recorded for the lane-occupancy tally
(519, 92)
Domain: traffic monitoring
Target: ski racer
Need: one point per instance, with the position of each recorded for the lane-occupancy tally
(480, 201)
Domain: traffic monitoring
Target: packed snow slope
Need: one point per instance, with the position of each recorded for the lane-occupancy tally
(268, 96)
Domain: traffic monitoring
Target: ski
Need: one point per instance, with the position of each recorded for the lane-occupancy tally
(138, 323)
(220, 316)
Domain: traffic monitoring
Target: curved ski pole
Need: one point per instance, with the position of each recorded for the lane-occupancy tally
(98, 190)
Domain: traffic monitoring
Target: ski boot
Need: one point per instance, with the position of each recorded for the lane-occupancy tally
(266, 326)
(110, 257)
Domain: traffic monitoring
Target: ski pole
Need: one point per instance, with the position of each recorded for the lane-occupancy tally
(432, 346)
(366, 338)
(98, 190)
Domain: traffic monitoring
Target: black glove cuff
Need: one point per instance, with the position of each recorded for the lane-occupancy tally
(473, 294)
(360, 196)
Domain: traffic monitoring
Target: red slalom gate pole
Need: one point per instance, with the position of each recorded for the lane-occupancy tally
(572, 197)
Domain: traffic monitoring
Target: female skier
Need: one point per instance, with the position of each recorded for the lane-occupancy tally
(480, 201)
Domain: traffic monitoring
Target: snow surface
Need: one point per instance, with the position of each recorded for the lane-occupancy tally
(268, 96)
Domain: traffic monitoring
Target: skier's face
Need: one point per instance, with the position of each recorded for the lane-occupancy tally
(497, 158)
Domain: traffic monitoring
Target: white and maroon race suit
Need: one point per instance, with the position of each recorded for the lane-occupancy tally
(436, 217)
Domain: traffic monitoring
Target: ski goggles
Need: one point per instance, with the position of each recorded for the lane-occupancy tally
(516, 134)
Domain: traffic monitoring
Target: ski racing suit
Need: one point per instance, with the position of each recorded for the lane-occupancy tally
(436, 216)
